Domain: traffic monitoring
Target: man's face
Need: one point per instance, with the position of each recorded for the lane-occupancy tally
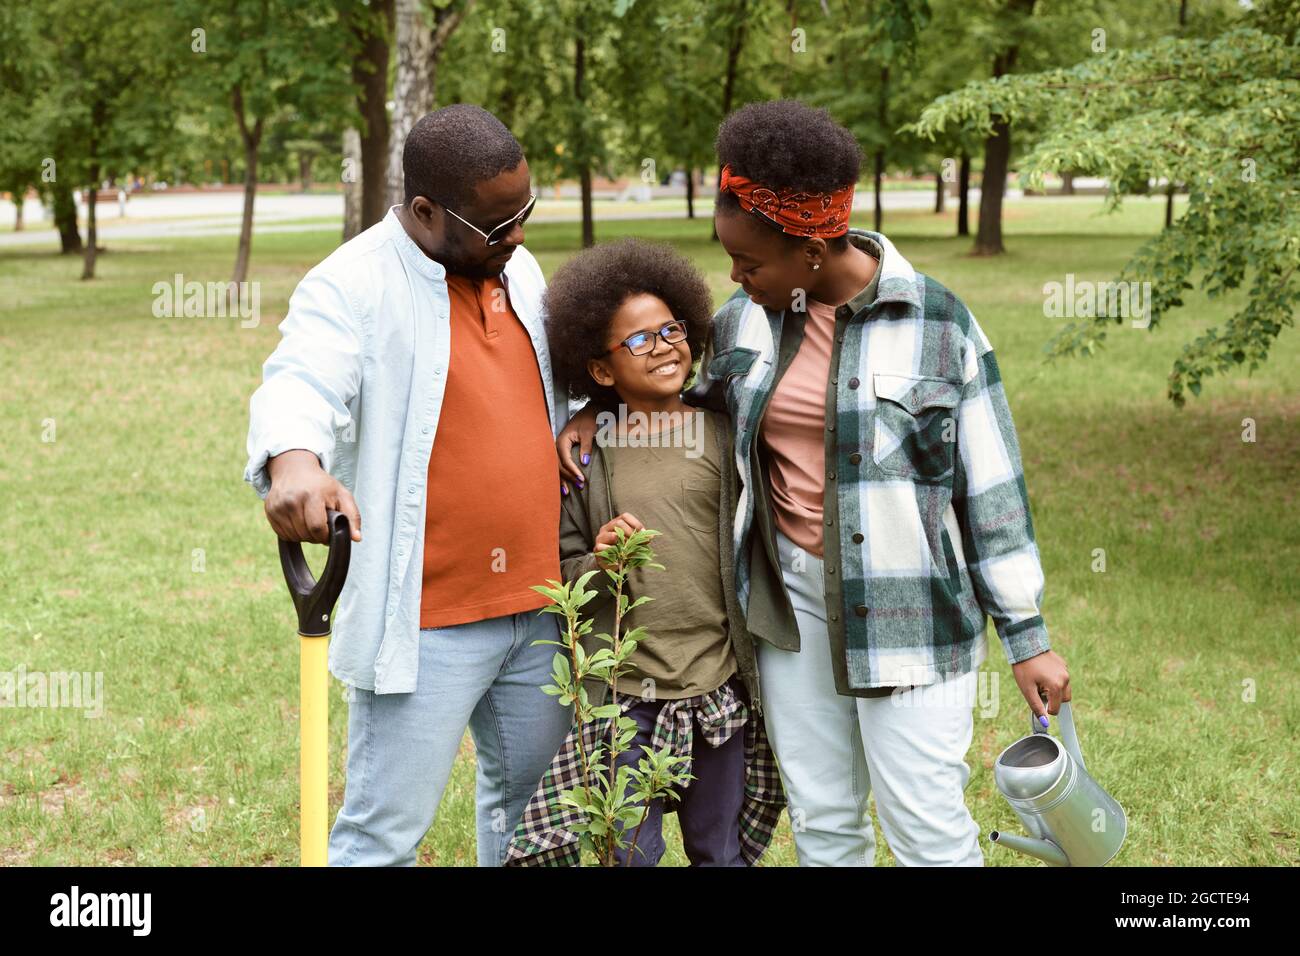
(460, 249)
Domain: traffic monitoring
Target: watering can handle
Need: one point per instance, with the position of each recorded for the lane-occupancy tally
(314, 600)
(1068, 734)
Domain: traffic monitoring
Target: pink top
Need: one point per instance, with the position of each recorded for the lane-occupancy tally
(793, 430)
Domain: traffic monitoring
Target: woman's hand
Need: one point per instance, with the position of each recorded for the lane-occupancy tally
(608, 536)
(1044, 674)
(580, 429)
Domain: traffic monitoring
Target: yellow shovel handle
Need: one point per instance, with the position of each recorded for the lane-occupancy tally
(313, 792)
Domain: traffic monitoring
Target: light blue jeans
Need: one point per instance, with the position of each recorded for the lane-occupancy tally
(485, 675)
(834, 751)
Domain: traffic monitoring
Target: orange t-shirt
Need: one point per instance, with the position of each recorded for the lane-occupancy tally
(492, 522)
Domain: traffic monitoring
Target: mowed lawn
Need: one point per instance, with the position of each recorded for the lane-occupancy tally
(132, 548)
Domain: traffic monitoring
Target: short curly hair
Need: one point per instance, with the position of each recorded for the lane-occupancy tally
(787, 144)
(583, 295)
(451, 150)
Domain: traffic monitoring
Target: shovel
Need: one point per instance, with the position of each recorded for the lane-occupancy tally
(314, 601)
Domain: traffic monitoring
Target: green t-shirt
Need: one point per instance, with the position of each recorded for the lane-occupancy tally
(674, 488)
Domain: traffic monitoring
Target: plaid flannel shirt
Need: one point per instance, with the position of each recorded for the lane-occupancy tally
(927, 518)
(543, 837)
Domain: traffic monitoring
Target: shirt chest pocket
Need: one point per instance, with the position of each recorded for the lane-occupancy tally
(700, 504)
(915, 426)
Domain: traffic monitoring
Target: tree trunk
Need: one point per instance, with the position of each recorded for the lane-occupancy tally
(20, 196)
(304, 171)
(584, 174)
(353, 187)
(252, 139)
(690, 192)
(882, 116)
(445, 21)
(938, 192)
(1169, 205)
(734, 47)
(1067, 183)
(963, 196)
(65, 218)
(250, 194)
(88, 262)
(997, 155)
(418, 51)
(370, 72)
(876, 179)
(412, 97)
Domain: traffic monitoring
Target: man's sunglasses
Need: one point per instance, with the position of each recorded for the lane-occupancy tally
(497, 233)
(643, 343)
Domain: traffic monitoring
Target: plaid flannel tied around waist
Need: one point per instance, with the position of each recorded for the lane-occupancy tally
(543, 837)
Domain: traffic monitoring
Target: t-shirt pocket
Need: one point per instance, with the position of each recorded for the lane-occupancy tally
(700, 504)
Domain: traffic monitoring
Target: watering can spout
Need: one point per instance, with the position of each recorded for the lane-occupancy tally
(1049, 853)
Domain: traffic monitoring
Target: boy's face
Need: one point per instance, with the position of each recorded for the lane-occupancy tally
(654, 376)
(769, 267)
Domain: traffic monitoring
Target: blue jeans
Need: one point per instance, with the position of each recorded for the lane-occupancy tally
(485, 675)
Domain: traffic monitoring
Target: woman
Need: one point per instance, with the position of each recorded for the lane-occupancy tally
(883, 511)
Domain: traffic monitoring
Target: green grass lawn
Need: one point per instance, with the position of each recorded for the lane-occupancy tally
(133, 548)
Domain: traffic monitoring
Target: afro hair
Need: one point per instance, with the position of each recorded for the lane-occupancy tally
(585, 293)
(787, 144)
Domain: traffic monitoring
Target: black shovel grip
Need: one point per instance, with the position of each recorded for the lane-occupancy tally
(314, 599)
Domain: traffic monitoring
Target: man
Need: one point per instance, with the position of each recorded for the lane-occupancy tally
(413, 374)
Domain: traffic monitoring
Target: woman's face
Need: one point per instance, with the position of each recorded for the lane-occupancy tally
(657, 374)
(770, 268)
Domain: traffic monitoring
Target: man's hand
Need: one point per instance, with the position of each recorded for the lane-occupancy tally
(582, 429)
(1043, 674)
(607, 535)
(301, 491)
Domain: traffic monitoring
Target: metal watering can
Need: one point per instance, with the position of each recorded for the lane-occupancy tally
(1071, 820)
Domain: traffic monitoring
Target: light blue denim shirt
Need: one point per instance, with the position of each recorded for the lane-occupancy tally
(358, 378)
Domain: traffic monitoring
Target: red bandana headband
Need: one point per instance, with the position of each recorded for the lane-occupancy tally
(796, 211)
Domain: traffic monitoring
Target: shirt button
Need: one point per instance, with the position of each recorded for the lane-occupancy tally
(835, 617)
(854, 383)
(835, 381)
(424, 430)
(830, 570)
(857, 537)
(401, 551)
(860, 610)
(830, 475)
(830, 428)
(855, 459)
(438, 370)
(828, 522)
(411, 489)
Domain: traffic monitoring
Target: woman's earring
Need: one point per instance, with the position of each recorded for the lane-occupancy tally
(816, 266)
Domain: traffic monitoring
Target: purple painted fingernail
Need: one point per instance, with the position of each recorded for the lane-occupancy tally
(1042, 720)
(564, 488)
(586, 459)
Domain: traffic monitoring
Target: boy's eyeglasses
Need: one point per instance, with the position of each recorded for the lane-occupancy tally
(644, 342)
(498, 233)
